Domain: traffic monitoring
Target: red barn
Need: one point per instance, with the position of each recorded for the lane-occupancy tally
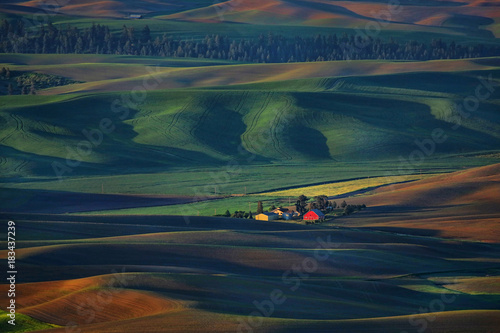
(314, 215)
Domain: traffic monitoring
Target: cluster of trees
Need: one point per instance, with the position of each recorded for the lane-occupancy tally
(270, 48)
(349, 209)
(260, 209)
(322, 203)
(19, 86)
(27, 83)
(5, 73)
(42, 81)
(239, 214)
(273, 207)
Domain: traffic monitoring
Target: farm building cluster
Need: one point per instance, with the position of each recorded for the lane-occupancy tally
(288, 214)
(306, 210)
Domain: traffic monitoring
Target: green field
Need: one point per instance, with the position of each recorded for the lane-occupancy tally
(345, 119)
(241, 138)
(23, 323)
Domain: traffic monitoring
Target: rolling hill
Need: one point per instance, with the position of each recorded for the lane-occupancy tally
(454, 17)
(403, 19)
(214, 270)
(347, 116)
(234, 74)
(460, 205)
(100, 8)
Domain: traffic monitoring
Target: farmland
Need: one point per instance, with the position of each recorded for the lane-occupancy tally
(119, 144)
(172, 128)
(213, 269)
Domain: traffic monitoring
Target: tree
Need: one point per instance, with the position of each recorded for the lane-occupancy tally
(24, 90)
(32, 89)
(301, 203)
(343, 204)
(10, 89)
(78, 46)
(250, 216)
(273, 207)
(145, 34)
(348, 210)
(239, 214)
(3, 72)
(303, 198)
(321, 201)
(227, 213)
(125, 35)
(334, 204)
(259, 207)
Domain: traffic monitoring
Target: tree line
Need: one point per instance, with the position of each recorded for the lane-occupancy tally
(269, 48)
(321, 202)
(239, 214)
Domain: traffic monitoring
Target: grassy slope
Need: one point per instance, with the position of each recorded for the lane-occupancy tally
(277, 198)
(23, 322)
(175, 74)
(49, 196)
(339, 188)
(347, 120)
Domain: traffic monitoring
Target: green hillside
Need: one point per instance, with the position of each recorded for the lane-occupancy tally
(23, 323)
(322, 120)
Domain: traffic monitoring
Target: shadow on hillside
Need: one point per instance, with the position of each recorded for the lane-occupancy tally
(405, 231)
(396, 210)
(60, 202)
